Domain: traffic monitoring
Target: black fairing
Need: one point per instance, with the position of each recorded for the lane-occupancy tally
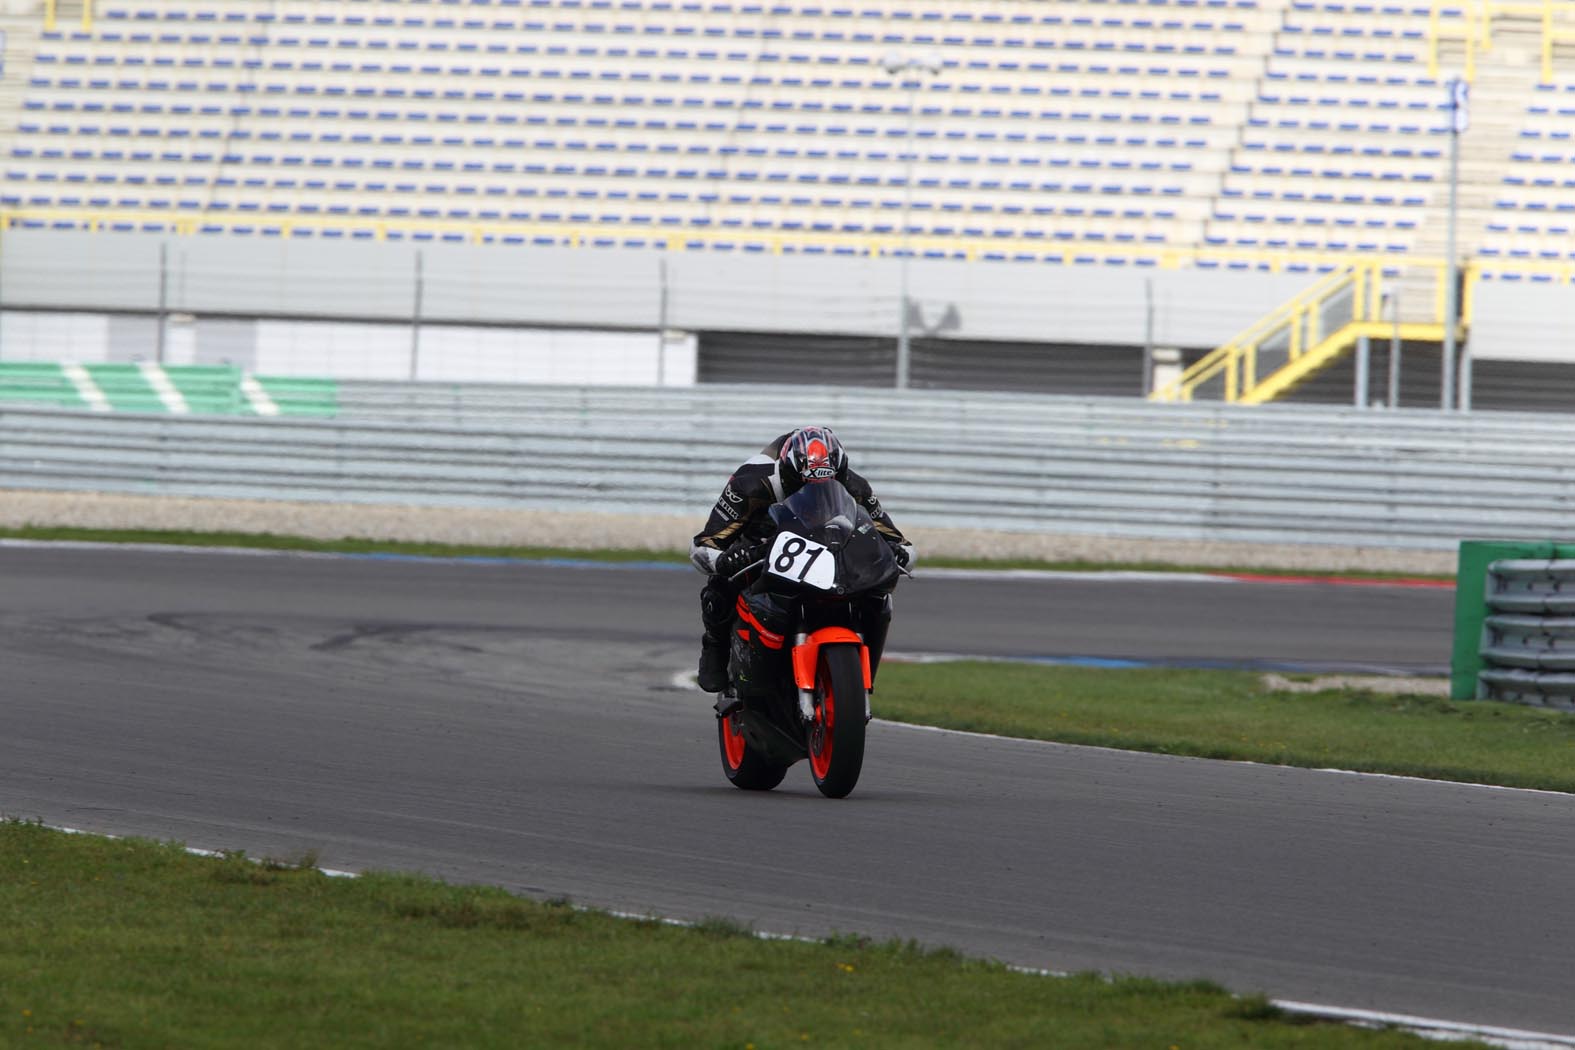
(828, 514)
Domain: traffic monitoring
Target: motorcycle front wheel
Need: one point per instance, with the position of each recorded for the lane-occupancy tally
(745, 767)
(836, 737)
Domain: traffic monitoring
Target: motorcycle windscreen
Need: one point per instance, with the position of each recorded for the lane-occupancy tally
(828, 514)
(824, 511)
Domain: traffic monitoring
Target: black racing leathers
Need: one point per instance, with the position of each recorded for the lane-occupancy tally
(754, 487)
(740, 513)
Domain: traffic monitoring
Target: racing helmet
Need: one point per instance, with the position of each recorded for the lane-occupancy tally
(811, 454)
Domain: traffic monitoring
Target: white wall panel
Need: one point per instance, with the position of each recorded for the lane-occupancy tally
(1523, 322)
(30, 336)
(340, 351)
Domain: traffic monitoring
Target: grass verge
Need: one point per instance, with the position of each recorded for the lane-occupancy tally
(1234, 715)
(129, 944)
(271, 541)
(347, 545)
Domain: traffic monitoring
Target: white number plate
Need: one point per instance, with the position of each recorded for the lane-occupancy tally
(802, 560)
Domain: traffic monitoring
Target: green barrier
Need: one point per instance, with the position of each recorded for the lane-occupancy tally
(302, 397)
(206, 389)
(209, 389)
(1471, 610)
(125, 388)
(31, 382)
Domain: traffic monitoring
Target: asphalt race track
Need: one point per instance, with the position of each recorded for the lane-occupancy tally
(519, 725)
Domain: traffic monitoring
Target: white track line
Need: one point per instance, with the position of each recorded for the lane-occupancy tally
(1509, 1038)
(194, 851)
(1235, 761)
(685, 681)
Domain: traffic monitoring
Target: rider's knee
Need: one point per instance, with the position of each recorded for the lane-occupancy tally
(717, 601)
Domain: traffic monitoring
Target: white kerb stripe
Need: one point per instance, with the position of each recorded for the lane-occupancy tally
(87, 390)
(257, 397)
(159, 380)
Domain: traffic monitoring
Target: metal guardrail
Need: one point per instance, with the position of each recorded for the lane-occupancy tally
(1115, 467)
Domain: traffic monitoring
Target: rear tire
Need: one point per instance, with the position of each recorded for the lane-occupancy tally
(835, 739)
(745, 767)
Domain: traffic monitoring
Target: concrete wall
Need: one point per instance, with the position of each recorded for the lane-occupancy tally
(356, 349)
(615, 288)
(547, 314)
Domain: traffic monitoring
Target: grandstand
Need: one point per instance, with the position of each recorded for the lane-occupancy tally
(1299, 135)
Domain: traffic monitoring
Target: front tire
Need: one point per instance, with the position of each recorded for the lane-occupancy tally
(745, 767)
(836, 737)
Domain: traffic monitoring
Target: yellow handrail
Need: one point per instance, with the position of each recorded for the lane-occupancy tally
(1474, 29)
(1300, 322)
(51, 10)
(1547, 40)
(1166, 257)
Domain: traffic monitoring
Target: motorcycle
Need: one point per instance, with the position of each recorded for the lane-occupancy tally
(824, 568)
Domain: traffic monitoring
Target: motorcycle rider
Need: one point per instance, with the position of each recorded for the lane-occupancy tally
(725, 545)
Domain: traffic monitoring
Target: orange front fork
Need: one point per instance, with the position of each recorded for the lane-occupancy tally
(806, 656)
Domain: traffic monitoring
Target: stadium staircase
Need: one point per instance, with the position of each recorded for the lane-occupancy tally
(1296, 340)
(1322, 324)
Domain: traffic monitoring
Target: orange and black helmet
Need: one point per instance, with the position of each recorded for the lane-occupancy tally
(811, 454)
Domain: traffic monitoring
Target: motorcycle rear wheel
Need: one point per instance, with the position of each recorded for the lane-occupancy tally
(835, 740)
(745, 767)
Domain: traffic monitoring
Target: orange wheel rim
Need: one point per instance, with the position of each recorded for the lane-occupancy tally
(732, 742)
(820, 734)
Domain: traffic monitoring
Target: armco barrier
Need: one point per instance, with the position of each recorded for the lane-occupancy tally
(1113, 467)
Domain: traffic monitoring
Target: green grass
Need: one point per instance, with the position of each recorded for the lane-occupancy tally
(270, 541)
(128, 944)
(1233, 715)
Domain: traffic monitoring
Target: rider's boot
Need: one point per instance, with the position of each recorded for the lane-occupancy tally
(716, 614)
(713, 663)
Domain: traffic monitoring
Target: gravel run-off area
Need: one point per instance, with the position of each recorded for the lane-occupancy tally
(588, 531)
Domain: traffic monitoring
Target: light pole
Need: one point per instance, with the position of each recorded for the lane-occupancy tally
(1459, 120)
(898, 65)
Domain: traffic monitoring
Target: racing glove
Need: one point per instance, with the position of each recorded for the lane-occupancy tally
(738, 558)
(905, 555)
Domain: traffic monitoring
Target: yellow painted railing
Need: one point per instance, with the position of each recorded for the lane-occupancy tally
(1470, 23)
(51, 10)
(184, 223)
(1298, 338)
